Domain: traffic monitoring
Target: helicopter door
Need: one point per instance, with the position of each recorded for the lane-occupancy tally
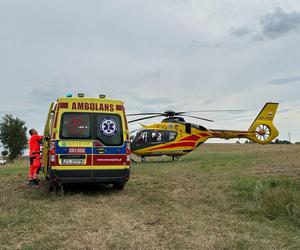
(188, 128)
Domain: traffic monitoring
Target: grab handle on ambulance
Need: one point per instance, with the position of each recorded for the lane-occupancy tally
(101, 150)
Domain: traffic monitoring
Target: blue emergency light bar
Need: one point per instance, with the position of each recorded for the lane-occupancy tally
(69, 95)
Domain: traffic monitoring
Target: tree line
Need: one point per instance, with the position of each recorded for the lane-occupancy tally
(277, 141)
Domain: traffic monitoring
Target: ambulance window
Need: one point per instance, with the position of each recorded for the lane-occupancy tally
(108, 129)
(75, 125)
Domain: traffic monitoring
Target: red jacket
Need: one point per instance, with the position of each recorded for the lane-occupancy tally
(34, 144)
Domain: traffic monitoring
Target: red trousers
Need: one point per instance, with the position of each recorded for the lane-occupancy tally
(35, 164)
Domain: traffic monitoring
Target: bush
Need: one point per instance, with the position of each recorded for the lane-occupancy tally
(278, 203)
(273, 197)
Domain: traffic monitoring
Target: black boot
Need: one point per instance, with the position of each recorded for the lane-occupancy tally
(35, 182)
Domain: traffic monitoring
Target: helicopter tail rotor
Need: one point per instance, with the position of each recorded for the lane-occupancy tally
(262, 130)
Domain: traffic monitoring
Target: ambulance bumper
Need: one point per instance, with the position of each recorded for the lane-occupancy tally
(105, 176)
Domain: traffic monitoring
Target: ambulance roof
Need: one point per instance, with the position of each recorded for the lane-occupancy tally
(88, 99)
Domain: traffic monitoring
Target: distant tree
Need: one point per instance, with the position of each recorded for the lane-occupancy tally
(278, 141)
(13, 135)
(297, 142)
(4, 153)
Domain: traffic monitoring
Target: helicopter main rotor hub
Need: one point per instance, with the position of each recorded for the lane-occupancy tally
(170, 113)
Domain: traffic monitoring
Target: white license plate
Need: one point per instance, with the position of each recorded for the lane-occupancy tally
(72, 161)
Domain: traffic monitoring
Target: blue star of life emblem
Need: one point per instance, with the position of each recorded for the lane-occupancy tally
(108, 127)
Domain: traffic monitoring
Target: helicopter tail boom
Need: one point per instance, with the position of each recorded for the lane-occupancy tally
(261, 131)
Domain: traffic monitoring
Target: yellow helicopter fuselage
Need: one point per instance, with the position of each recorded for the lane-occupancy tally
(179, 138)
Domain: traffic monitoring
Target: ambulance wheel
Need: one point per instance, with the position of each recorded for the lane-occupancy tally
(119, 185)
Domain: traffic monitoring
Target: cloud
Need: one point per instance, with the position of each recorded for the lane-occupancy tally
(272, 25)
(279, 23)
(47, 93)
(156, 104)
(240, 31)
(287, 80)
(153, 55)
(3, 112)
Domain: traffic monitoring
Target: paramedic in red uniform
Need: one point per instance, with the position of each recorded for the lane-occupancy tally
(35, 158)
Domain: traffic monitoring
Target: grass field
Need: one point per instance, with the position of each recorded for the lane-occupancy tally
(222, 196)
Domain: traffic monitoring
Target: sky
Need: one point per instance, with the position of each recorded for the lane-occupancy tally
(154, 55)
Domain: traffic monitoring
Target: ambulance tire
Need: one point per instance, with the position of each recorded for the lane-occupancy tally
(119, 185)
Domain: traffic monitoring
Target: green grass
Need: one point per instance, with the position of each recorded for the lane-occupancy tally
(274, 197)
(218, 197)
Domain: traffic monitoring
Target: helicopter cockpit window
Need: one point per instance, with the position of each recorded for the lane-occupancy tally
(155, 136)
(172, 136)
(152, 136)
(146, 138)
(139, 137)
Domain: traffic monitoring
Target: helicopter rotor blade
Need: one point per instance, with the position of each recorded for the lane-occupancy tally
(170, 113)
(200, 118)
(144, 114)
(212, 110)
(144, 118)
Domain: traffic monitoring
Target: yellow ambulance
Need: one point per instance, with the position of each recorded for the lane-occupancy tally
(88, 142)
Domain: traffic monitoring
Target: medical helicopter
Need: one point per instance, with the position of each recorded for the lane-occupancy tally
(175, 137)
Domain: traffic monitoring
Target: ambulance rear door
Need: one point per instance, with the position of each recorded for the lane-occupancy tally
(109, 152)
(76, 144)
